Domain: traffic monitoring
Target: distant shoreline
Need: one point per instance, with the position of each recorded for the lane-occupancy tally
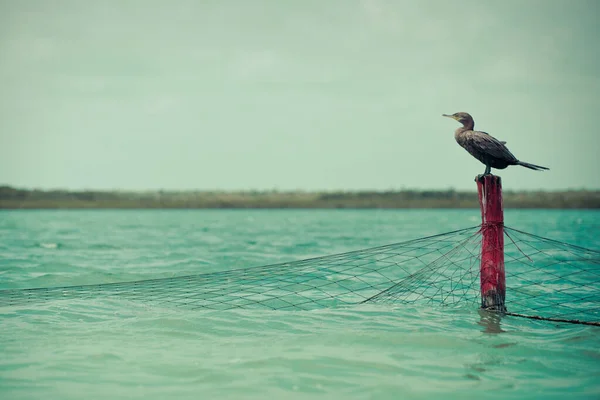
(13, 198)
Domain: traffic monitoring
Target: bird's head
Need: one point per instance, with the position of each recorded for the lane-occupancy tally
(461, 117)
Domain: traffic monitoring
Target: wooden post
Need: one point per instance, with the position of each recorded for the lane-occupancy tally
(492, 276)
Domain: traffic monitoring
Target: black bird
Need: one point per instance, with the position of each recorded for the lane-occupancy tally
(484, 147)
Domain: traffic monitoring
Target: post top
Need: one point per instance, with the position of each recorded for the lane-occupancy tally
(489, 189)
(488, 178)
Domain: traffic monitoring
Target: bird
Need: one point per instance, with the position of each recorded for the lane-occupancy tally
(484, 147)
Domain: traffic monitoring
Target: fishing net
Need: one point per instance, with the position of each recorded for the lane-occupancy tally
(545, 279)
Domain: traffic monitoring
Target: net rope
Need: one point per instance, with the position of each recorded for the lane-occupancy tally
(545, 279)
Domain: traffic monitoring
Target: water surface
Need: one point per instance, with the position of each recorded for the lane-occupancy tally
(99, 348)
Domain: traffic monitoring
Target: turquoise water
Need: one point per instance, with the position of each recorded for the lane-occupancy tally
(106, 348)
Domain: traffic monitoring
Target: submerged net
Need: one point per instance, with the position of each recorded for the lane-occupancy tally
(545, 279)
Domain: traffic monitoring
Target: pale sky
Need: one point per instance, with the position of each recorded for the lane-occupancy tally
(295, 94)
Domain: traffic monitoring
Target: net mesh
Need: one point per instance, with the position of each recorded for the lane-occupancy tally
(545, 279)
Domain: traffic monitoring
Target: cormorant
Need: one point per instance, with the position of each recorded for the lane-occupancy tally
(484, 147)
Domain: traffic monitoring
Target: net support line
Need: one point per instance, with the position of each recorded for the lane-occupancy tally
(561, 320)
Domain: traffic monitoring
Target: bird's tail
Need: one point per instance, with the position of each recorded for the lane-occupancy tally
(532, 166)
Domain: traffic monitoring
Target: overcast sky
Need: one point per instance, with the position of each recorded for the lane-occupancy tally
(310, 94)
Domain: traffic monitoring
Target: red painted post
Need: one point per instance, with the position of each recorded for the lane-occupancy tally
(491, 270)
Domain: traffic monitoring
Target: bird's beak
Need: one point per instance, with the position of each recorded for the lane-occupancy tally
(449, 116)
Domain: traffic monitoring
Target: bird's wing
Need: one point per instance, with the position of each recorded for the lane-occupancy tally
(492, 146)
(501, 141)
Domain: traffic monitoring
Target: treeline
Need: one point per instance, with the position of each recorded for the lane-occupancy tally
(13, 198)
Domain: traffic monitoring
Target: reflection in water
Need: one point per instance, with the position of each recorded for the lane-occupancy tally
(490, 321)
